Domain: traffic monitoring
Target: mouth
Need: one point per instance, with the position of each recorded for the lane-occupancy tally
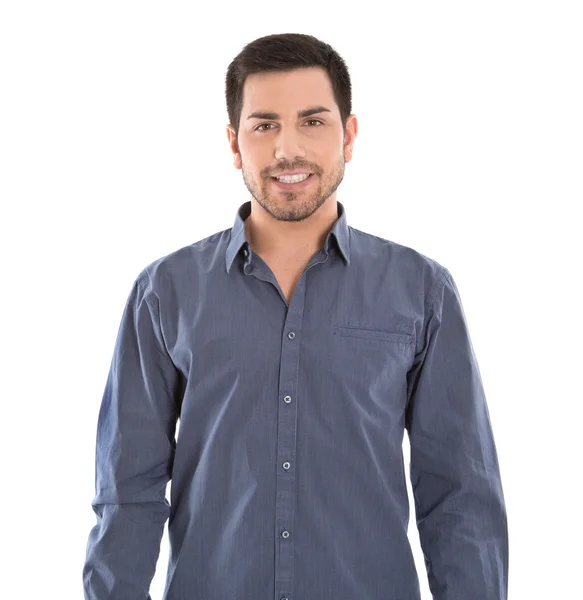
(292, 186)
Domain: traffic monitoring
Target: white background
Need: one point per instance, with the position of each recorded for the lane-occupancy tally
(113, 152)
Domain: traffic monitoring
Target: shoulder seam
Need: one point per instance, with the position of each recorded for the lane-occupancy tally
(144, 279)
(444, 274)
(141, 280)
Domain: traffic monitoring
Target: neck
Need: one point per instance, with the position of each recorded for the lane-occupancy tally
(268, 236)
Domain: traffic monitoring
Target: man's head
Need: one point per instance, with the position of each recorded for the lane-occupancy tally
(289, 102)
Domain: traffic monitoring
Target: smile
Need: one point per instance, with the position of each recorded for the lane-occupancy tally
(296, 182)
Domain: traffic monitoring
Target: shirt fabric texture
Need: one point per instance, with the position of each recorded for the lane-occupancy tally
(281, 430)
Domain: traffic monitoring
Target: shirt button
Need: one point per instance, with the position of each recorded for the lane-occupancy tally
(291, 335)
(286, 465)
(287, 399)
(283, 598)
(285, 534)
(245, 253)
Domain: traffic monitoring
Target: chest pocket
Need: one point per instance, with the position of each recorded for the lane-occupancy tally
(373, 362)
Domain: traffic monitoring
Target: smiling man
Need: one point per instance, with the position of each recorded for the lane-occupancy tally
(295, 351)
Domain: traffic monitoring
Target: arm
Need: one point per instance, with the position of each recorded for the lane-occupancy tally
(134, 455)
(455, 477)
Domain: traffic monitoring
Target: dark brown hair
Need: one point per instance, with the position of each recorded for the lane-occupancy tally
(285, 52)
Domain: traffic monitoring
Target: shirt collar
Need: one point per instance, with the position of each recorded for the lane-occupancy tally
(238, 237)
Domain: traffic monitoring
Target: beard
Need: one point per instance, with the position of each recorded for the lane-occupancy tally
(289, 205)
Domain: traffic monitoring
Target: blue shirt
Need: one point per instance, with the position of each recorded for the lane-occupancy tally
(287, 474)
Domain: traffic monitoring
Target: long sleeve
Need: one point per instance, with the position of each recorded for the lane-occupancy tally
(134, 455)
(455, 477)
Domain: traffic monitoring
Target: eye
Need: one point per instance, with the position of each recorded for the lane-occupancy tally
(262, 125)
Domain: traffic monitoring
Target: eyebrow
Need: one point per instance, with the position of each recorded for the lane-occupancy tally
(301, 113)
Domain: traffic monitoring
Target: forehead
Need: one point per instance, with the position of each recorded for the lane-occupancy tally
(285, 91)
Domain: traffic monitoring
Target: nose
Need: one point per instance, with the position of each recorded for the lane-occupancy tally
(288, 145)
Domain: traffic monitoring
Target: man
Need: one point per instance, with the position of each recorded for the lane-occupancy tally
(295, 350)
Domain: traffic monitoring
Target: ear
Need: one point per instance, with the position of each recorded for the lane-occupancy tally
(232, 137)
(350, 136)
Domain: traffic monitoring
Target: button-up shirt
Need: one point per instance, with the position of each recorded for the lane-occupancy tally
(281, 427)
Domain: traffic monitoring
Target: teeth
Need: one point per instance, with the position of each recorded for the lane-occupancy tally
(293, 178)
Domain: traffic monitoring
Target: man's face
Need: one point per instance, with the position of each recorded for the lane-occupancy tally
(283, 141)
